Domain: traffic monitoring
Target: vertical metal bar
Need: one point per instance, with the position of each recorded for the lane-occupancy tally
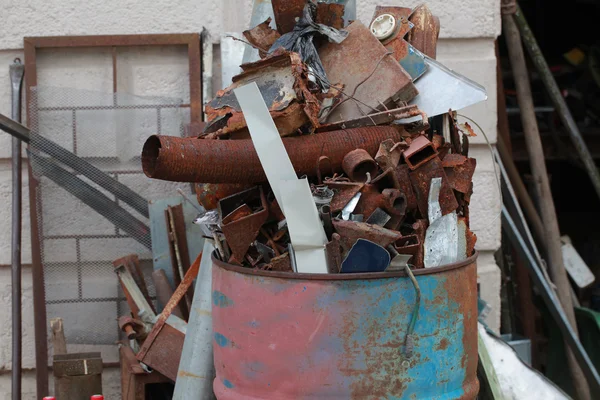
(37, 272)
(16, 78)
(557, 98)
(542, 188)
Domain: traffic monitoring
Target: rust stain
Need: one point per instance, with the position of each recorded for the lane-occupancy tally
(461, 288)
(186, 374)
(443, 344)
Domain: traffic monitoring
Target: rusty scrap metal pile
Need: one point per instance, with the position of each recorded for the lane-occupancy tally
(387, 189)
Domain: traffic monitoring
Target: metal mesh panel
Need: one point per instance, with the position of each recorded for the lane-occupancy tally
(77, 243)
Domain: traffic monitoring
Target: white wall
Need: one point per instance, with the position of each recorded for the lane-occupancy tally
(469, 28)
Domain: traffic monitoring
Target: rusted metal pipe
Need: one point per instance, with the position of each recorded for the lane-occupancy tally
(164, 291)
(358, 164)
(235, 161)
(542, 188)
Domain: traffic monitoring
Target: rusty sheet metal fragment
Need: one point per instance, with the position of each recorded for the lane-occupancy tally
(389, 153)
(280, 263)
(330, 14)
(178, 249)
(334, 254)
(410, 58)
(242, 211)
(162, 348)
(368, 71)
(421, 181)
(286, 12)
(209, 194)
(241, 230)
(397, 201)
(374, 119)
(409, 244)
(163, 289)
(405, 186)
(373, 197)
(420, 228)
(344, 192)
(262, 37)
(236, 161)
(282, 80)
(466, 239)
(459, 170)
(359, 165)
(424, 35)
(386, 180)
(419, 152)
(351, 231)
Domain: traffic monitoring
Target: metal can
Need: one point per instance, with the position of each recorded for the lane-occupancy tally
(280, 335)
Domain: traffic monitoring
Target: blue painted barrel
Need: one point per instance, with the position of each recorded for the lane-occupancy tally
(288, 336)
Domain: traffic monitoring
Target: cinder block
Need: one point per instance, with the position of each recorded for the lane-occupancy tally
(56, 126)
(118, 134)
(59, 250)
(489, 280)
(5, 217)
(486, 202)
(111, 249)
(65, 214)
(151, 189)
(161, 73)
(475, 59)
(61, 282)
(87, 323)
(28, 355)
(74, 76)
(99, 280)
(172, 122)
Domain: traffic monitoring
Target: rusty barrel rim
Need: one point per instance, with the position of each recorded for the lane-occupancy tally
(343, 277)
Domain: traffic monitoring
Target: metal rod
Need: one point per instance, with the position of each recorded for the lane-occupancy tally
(93, 198)
(14, 128)
(542, 188)
(535, 53)
(511, 174)
(552, 302)
(16, 78)
(175, 242)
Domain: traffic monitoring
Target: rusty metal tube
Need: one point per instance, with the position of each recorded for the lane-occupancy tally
(359, 164)
(235, 161)
(164, 291)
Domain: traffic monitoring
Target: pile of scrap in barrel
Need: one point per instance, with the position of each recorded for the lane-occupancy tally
(362, 115)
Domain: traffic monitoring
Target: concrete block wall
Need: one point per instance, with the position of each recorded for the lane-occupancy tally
(469, 29)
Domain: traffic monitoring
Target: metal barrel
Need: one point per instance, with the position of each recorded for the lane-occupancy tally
(279, 335)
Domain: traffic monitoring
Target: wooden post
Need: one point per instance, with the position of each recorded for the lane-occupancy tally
(59, 343)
